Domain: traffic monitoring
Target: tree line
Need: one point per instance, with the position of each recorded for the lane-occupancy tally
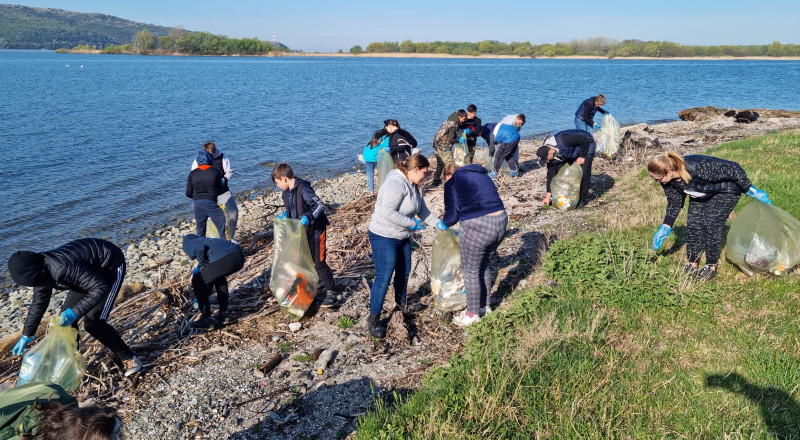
(599, 46)
(179, 42)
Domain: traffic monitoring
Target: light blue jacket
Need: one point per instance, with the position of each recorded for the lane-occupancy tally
(371, 153)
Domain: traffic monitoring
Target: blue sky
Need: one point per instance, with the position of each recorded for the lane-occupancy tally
(328, 26)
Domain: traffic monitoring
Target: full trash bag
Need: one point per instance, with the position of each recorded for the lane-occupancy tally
(55, 359)
(447, 278)
(565, 187)
(764, 238)
(607, 138)
(482, 157)
(294, 278)
(461, 155)
(385, 164)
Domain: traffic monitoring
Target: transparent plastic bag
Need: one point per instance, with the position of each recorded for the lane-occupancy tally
(482, 157)
(447, 278)
(565, 187)
(211, 228)
(461, 155)
(764, 239)
(607, 138)
(385, 164)
(294, 278)
(55, 359)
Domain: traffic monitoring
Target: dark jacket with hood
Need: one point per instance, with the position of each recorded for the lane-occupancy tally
(301, 200)
(447, 135)
(208, 250)
(474, 125)
(205, 181)
(587, 110)
(710, 175)
(468, 194)
(89, 266)
(400, 144)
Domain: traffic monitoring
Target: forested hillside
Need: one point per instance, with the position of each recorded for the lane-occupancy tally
(39, 28)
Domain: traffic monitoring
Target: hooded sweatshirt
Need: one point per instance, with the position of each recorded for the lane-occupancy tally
(205, 181)
(208, 250)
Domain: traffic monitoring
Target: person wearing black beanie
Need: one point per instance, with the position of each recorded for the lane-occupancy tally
(92, 270)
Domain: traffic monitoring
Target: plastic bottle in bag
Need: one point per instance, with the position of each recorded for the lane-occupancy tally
(565, 187)
(55, 359)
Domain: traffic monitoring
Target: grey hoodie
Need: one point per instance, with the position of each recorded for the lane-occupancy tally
(397, 205)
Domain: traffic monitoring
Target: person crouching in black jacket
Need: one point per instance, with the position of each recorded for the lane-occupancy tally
(301, 202)
(92, 270)
(216, 259)
(714, 187)
(203, 186)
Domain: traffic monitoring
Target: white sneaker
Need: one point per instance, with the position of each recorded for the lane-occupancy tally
(463, 319)
(132, 366)
(483, 311)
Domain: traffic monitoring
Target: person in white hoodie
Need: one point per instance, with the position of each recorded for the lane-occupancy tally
(225, 198)
(400, 211)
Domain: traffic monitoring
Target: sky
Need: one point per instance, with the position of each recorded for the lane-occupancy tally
(327, 26)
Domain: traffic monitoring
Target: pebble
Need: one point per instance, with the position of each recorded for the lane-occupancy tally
(295, 326)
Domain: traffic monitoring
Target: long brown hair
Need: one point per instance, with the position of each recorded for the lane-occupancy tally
(663, 163)
(62, 422)
(378, 135)
(411, 162)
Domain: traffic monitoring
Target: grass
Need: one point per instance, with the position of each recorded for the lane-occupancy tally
(623, 346)
(346, 321)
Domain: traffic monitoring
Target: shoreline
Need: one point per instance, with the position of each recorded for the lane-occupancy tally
(442, 56)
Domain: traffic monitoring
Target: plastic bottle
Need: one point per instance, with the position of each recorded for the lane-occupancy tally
(322, 362)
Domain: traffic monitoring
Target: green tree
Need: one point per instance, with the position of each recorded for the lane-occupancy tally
(166, 42)
(143, 41)
(355, 50)
(651, 50)
(407, 46)
(775, 49)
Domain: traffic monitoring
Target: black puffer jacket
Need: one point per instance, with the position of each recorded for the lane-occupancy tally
(204, 182)
(89, 266)
(710, 175)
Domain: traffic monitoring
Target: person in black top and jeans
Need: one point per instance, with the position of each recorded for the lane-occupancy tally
(714, 186)
(473, 123)
(203, 186)
(301, 202)
(92, 270)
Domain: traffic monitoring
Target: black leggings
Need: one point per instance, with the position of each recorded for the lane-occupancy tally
(705, 223)
(215, 274)
(95, 319)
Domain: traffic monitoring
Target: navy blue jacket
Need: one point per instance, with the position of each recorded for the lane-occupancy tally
(587, 110)
(575, 143)
(303, 201)
(208, 250)
(469, 193)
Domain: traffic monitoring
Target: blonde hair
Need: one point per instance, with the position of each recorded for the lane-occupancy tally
(450, 169)
(663, 163)
(600, 99)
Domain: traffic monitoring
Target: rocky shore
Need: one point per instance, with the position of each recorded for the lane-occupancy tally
(216, 385)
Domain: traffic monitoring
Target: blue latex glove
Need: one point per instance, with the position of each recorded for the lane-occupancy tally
(462, 140)
(441, 226)
(661, 235)
(759, 195)
(196, 270)
(22, 345)
(67, 317)
(222, 181)
(467, 131)
(597, 126)
(492, 175)
(418, 225)
(303, 221)
(282, 215)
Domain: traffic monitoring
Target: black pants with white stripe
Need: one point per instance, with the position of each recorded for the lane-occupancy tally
(95, 320)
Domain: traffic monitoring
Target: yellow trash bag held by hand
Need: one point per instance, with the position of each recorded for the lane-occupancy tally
(565, 187)
(607, 138)
(55, 359)
(294, 278)
(447, 278)
(764, 238)
(385, 164)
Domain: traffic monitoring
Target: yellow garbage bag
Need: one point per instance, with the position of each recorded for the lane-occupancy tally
(294, 278)
(385, 164)
(566, 186)
(55, 359)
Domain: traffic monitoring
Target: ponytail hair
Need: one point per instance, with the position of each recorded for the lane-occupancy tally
(663, 163)
(414, 161)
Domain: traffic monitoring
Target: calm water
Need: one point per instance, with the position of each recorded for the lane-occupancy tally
(96, 145)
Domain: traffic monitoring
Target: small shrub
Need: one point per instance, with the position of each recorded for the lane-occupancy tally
(303, 358)
(346, 322)
(285, 346)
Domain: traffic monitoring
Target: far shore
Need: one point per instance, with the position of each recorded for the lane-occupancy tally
(444, 55)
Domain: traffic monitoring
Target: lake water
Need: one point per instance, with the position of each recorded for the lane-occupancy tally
(96, 145)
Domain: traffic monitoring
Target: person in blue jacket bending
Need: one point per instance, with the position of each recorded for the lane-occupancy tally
(503, 140)
(584, 116)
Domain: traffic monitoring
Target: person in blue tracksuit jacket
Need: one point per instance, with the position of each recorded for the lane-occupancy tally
(584, 116)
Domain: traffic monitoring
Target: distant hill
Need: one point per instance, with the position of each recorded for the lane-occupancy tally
(22, 27)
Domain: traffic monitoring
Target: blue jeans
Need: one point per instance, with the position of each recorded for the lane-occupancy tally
(390, 256)
(203, 209)
(580, 124)
(371, 175)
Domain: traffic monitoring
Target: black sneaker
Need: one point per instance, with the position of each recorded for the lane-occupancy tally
(332, 299)
(707, 273)
(689, 269)
(375, 327)
(203, 323)
(224, 318)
